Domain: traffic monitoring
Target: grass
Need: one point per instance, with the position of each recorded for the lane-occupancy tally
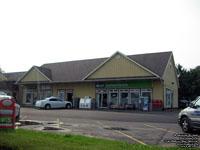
(34, 140)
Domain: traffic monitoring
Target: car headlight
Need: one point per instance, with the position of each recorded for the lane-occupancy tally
(180, 113)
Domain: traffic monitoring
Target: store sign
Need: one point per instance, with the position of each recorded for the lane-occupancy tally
(100, 85)
(135, 84)
(7, 113)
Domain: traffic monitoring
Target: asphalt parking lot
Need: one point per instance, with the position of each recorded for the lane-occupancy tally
(147, 128)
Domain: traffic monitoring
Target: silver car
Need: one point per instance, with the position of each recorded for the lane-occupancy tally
(189, 118)
(53, 102)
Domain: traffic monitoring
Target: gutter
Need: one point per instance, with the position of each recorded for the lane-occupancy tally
(93, 80)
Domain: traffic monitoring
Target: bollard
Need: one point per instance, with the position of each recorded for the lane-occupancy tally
(58, 123)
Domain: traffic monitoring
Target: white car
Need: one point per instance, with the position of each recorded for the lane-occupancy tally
(17, 106)
(189, 118)
(53, 102)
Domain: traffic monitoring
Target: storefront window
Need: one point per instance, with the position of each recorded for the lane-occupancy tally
(114, 97)
(61, 94)
(41, 95)
(48, 93)
(34, 97)
(123, 97)
(28, 97)
(135, 97)
(147, 93)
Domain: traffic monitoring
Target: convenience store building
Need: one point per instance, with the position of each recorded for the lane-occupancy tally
(118, 81)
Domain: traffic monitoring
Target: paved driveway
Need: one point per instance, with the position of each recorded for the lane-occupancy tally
(147, 128)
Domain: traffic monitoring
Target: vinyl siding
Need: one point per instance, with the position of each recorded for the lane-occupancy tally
(80, 90)
(157, 90)
(34, 75)
(171, 82)
(121, 67)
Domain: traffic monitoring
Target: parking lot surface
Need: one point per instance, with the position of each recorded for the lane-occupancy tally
(146, 128)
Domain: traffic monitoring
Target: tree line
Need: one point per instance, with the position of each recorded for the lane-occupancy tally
(189, 81)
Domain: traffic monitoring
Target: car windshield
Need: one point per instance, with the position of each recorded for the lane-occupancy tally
(197, 98)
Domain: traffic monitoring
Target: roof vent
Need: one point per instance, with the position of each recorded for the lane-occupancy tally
(117, 56)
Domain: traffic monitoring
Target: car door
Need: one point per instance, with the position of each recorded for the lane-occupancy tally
(61, 103)
(53, 102)
(195, 114)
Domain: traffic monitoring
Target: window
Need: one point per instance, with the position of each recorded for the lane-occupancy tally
(135, 97)
(48, 93)
(114, 97)
(147, 93)
(34, 97)
(124, 97)
(45, 86)
(61, 94)
(169, 98)
(41, 95)
(28, 97)
(53, 99)
(197, 104)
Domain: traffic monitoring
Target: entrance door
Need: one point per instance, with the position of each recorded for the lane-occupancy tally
(135, 98)
(102, 99)
(124, 98)
(169, 99)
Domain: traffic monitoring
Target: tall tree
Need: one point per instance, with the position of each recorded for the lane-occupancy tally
(189, 82)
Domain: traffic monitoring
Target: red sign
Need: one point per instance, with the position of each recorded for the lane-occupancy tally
(7, 113)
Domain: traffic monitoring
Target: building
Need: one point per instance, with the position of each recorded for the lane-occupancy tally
(118, 81)
(7, 83)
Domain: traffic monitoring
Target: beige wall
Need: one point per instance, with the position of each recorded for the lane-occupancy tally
(80, 90)
(171, 81)
(157, 90)
(34, 75)
(121, 67)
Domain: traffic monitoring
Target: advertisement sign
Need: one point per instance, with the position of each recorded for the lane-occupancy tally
(145, 103)
(7, 113)
(131, 84)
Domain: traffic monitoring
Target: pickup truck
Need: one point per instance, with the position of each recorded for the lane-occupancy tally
(17, 106)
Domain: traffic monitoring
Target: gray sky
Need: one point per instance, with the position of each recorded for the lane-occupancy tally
(34, 32)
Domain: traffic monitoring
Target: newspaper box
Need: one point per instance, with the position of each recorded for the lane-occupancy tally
(7, 113)
(85, 103)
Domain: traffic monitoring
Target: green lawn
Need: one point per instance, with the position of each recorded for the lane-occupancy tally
(32, 140)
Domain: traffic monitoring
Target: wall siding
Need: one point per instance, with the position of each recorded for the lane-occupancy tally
(121, 67)
(80, 90)
(34, 75)
(171, 82)
(157, 90)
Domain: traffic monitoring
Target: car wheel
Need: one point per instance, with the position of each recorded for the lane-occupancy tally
(68, 106)
(47, 106)
(17, 118)
(185, 124)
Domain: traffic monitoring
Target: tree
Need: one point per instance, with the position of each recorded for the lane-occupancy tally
(189, 82)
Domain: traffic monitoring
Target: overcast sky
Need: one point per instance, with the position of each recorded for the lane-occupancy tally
(34, 32)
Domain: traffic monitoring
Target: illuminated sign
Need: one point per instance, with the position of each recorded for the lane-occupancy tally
(7, 113)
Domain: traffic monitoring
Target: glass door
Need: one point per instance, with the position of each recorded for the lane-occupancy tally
(124, 98)
(113, 94)
(147, 93)
(169, 99)
(135, 97)
(102, 99)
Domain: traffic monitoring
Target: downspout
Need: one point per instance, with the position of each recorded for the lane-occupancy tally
(163, 89)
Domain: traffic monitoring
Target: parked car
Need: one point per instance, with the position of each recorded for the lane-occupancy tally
(17, 106)
(189, 118)
(53, 102)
